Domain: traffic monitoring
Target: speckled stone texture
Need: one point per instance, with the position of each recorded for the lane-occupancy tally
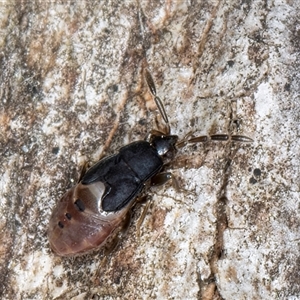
(72, 89)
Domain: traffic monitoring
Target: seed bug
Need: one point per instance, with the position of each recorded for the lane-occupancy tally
(91, 212)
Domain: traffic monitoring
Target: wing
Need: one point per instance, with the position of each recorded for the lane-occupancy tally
(78, 224)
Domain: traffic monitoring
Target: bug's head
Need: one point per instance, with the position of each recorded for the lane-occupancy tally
(165, 146)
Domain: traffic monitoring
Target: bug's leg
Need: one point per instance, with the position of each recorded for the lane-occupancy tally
(157, 132)
(119, 236)
(114, 242)
(142, 217)
(154, 132)
(163, 178)
(83, 170)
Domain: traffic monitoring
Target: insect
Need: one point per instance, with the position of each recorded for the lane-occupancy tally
(90, 213)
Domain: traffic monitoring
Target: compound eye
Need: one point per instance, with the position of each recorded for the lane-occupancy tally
(79, 204)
